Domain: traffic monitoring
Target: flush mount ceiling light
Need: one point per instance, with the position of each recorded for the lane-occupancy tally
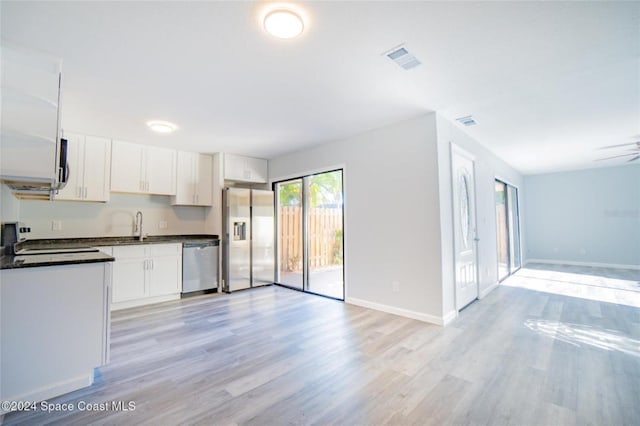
(161, 126)
(283, 23)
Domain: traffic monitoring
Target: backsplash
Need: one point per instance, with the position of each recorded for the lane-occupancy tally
(112, 219)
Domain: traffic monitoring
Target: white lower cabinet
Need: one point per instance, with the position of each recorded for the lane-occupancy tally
(129, 277)
(145, 274)
(165, 275)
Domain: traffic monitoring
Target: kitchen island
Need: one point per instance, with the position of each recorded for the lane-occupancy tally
(54, 323)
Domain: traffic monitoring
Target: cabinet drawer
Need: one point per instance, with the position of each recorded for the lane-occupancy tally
(128, 252)
(165, 250)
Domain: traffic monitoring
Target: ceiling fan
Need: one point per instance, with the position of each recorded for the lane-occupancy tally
(633, 151)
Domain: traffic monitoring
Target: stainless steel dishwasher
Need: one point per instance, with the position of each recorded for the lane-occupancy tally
(200, 266)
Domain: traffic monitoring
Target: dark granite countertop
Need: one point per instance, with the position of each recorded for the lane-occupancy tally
(69, 256)
(69, 243)
(53, 259)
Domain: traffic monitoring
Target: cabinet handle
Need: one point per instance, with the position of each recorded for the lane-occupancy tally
(146, 187)
(151, 262)
(85, 192)
(79, 191)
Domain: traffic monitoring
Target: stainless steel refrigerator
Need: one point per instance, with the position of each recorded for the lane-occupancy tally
(248, 249)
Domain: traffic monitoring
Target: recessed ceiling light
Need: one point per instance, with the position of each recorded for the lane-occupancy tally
(283, 23)
(161, 126)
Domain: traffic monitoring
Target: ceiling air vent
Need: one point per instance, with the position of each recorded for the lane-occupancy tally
(401, 56)
(467, 121)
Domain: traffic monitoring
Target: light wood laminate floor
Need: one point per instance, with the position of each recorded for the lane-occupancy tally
(274, 356)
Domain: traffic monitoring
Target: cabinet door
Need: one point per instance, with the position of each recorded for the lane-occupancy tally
(234, 166)
(129, 279)
(75, 158)
(97, 168)
(256, 170)
(204, 180)
(127, 167)
(245, 169)
(161, 171)
(185, 180)
(165, 275)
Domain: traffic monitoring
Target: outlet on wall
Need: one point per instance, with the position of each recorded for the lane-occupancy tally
(395, 286)
(56, 225)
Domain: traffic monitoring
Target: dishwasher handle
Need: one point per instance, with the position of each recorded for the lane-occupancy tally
(200, 244)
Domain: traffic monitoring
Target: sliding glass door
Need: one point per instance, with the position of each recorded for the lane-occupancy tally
(507, 229)
(514, 228)
(309, 234)
(290, 225)
(502, 230)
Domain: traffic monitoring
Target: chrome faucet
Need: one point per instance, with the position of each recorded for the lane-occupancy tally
(139, 226)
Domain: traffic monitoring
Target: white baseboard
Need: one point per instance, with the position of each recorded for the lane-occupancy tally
(486, 291)
(448, 318)
(52, 390)
(591, 264)
(398, 311)
(141, 302)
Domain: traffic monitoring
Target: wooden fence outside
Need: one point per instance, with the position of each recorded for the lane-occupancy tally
(325, 237)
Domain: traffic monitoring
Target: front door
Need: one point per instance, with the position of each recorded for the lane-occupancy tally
(464, 226)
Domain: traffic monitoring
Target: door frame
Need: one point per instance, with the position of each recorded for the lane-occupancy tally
(457, 149)
(305, 266)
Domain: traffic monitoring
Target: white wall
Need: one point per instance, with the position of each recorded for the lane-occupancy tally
(488, 168)
(115, 218)
(587, 216)
(392, 218)
(9, 205)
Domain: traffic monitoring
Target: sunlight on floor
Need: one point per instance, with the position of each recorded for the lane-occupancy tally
(578, 335)
(604, 285)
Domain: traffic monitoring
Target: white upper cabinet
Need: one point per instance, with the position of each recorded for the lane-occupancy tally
(89, 159)
(142, 169)
(194, 179)
(161, 170)
(127, 173)
(245, 169)
(30, 87)
(185, 184)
